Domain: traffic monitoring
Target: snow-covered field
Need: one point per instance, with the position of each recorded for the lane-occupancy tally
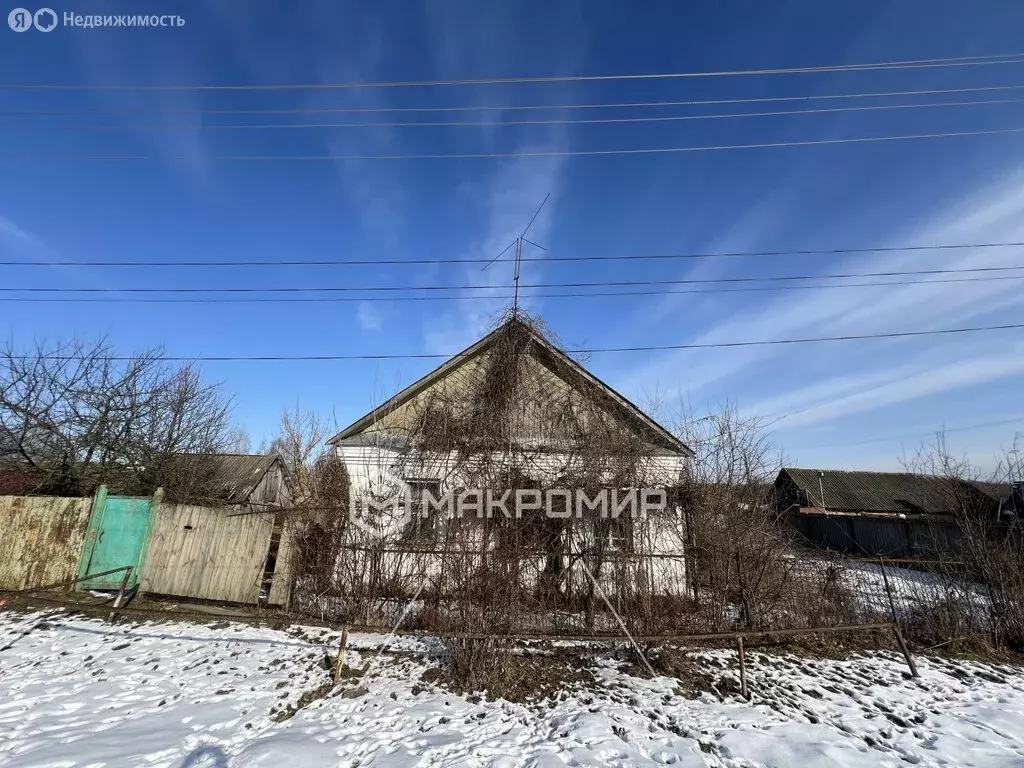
(80, 692)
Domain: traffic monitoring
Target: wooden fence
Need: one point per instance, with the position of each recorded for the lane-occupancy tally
(208, 553)
(205, 553)
(879, 535)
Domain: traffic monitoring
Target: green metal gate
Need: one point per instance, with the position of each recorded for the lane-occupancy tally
(118, 536)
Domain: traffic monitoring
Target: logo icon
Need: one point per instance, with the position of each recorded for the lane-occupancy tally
(380, 517)
(45, 19)
(20, 20)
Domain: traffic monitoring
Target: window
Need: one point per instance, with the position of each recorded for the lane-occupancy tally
(418, 527)
(617, 534)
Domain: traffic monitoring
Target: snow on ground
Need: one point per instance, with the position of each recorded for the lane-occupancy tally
(76, 692)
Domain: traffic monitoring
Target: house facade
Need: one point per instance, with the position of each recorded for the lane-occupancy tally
(513, 440)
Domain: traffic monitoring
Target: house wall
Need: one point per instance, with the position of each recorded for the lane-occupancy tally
(42, 539)
(377, 472)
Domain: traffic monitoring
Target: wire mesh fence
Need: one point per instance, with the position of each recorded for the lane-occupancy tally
(576, 594)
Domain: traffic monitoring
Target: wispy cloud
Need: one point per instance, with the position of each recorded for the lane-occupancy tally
(499, 197)
(841, 397)
(17, 240)
(993, 213)
(104, 63)
(12, 231)
(369, 316)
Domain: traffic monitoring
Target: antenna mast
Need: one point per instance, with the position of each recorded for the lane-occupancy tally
(519, 253)
(518, 243)
(515, 279)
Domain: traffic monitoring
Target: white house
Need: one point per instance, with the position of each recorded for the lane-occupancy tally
(515, 413)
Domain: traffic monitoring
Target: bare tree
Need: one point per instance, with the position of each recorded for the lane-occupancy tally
(299, 444)
(74, 415)
(740, 564)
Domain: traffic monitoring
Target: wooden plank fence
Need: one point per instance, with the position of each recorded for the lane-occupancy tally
(206, 553)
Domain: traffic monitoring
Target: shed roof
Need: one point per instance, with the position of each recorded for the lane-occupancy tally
(880, 492)
(234, 476)
(1001, 492)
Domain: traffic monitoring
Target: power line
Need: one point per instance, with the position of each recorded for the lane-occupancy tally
(958, 61)
(591, 284)
(621, 257)
(491, 297)
(495, 123)
(653, 348)
(552, 153)
(498, 107)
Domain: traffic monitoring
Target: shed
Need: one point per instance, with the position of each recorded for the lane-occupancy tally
(239, 479)
(878, 514)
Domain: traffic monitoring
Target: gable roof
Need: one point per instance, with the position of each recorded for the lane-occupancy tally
(550, 356)
(880, 492)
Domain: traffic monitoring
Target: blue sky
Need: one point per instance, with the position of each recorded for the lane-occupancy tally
(852, 404)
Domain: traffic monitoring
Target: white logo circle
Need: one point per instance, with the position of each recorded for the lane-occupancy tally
(43, 22)
(20, 20)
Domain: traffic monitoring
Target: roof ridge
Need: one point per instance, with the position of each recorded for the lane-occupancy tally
(858, 471)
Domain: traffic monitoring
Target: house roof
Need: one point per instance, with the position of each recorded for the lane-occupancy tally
(235, 475)
(15, 482)
(549, 355)
(879, 492)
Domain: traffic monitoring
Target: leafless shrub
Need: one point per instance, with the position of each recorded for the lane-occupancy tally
(476, 664)
(989, 545)
(742, 569)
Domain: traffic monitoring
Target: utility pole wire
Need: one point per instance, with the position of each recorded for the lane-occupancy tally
(497, 107)
(590, 284)
(499, 297)
(605, 350)
(620, 257)
(87, 126)
(957, 61)
(550, 153)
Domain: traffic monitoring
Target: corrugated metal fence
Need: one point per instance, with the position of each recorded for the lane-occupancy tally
(42, 539)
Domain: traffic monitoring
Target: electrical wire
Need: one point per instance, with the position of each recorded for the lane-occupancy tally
(497, 107)
(621, 257)
(596, 350)
(591, 284)
(491, 297)
(553, 152)
(956, 61)
(496, 123)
